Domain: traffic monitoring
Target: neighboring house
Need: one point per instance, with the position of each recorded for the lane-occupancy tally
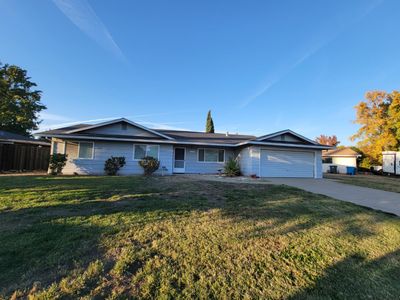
(391, 162)
(281, 154)
(342, 158)
(21, 153)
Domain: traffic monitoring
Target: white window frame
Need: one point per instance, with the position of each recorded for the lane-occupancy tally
(60, 144)
(79, 150)
(146, 145)
(55, 147)
(210, 162)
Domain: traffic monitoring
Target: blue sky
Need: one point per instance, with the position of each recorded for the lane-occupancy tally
(260, 66)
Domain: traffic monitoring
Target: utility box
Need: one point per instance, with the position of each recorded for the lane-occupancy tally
(391, 162)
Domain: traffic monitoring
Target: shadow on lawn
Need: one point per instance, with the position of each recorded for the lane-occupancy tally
(301, 211)
(356, 278)
(49, 240)
(46, 241)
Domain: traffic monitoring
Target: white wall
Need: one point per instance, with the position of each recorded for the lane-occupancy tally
(116, 129)
(249, 159)
(103, 151)
(193, 166)
(391, 162)
(318, 164)
(244, 160)
(341, 163)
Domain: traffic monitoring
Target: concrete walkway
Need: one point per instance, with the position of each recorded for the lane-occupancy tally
(376, 199)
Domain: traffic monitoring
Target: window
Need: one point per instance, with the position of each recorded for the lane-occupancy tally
(327, 160)
(55, 147)
(85, 150)
(211, 155)
(124, 126)
(58, 147)
(140, 151)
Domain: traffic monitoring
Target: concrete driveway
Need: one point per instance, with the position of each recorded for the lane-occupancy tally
(376, 199)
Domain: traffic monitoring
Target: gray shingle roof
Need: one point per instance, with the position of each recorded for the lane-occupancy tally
(64, 130)
(173, 136)
(196, 136)
(340, 152)
(187, 136)
(6, 136)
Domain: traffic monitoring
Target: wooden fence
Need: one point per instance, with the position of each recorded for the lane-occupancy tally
(24, 157)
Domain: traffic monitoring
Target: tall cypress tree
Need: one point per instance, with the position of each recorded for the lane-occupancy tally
(210, 123)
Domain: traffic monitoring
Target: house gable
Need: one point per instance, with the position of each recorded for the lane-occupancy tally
(120, 127)
(286, 136)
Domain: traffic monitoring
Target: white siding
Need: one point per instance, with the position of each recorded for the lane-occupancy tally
(341, 163)
(287, 163)
(391, 162)
(116, 129)
(103, 151)
(244, 159)
(318, 164)
(250, 161)
(285, 137)
(60, 146)
(249, 158)
(193, 166)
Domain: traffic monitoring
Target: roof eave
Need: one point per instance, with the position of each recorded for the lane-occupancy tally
(117, 121)
(320, 147)
(12, 141)
(180, 142)
(284, 132)
(341, 155)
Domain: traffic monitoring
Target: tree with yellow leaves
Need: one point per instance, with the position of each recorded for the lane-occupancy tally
(379, 117)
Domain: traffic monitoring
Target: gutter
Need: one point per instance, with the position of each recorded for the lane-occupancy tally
(175, 142)
(12, 141)
(322, 147)
(79, 137)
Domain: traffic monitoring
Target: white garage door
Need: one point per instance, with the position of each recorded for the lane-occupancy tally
(286, 163)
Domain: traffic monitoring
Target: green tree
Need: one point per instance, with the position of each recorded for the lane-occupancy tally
(379, 117)
(209, 123)
(19, 103)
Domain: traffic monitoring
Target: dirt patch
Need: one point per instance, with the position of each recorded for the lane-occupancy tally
(220, 178)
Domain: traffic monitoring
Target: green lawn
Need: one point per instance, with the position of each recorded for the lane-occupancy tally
(386, 183)
(173, 237)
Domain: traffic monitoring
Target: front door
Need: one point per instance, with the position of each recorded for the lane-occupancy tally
(179, 160)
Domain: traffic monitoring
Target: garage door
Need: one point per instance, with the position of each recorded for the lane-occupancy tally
(286, 163)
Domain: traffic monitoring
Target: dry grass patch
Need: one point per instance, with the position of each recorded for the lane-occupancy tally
(386, 183)
(173, 237)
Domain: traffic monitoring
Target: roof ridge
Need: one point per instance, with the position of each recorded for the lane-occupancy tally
(202, 132)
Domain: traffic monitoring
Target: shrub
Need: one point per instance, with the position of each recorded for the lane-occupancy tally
(149, 165)
(232, 168)
(57, 163)
(113, 164)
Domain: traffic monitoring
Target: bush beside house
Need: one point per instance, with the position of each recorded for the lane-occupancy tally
(149, 165)
(232, 168)
(114, 164)
(57, 163)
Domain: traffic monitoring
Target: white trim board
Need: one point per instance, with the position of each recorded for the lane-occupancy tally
(284, 132)
(79, 149)
(117, 121)
(175, 142)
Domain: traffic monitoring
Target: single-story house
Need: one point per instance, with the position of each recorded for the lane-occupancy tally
(280, 154)
(22, 153)
(341, 158)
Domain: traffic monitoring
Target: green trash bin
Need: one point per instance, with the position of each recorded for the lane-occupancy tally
(333, 169)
